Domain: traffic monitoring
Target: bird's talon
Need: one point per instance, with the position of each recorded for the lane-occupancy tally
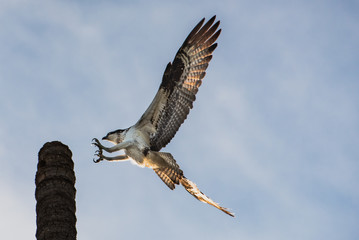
(99, 155)
(97, 160)
(98, 152)
(97, 143)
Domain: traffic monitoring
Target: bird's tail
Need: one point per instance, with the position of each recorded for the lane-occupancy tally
(171, 175)
(192, 188)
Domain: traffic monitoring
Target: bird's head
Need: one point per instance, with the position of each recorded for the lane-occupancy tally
(115, 136)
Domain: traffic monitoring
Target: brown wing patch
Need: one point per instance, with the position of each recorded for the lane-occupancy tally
(166, 179)
(169, 176)
(169, 172)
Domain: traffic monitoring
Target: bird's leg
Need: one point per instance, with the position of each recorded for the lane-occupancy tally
(99, 152)
(115, 158)
(115, 148)
(119, 146)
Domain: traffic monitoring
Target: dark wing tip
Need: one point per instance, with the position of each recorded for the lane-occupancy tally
(199, 30)
(215, 26)
(212, 18)
(214, 37)
(212, 48)
(195, 30)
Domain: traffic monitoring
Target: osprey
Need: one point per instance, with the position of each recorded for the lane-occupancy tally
(143, 141)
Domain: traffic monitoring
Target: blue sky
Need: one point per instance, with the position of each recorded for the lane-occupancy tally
(273, 134)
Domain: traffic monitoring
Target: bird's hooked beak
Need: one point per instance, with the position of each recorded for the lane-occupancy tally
(105, 138)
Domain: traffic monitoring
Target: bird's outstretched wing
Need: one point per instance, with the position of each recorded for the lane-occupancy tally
(180, 84)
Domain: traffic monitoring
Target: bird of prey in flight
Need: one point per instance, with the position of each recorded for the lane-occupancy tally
(143, 141)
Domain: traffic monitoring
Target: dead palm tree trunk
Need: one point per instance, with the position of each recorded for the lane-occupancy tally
(55, 193)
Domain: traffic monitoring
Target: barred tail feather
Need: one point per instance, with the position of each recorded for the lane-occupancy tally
(192, 188)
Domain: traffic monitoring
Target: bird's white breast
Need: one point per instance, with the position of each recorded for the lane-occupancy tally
(138, 137)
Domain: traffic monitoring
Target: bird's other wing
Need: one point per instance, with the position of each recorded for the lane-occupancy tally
(192, 188)
(180, 84)
(170, 173)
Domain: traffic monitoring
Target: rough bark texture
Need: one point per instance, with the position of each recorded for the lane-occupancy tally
(55, 193)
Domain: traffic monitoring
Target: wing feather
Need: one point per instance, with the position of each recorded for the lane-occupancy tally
(170, 173)
(180, 83)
